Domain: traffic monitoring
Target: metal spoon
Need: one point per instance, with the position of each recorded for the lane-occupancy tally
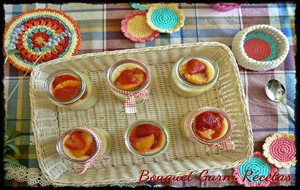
(277, 93)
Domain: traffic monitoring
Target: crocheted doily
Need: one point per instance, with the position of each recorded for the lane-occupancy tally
(280, 150)
(260, 47)
(257, 166)
(134, 27)
(224, 6)
(47, 33)
(165, 18)
(142, 6)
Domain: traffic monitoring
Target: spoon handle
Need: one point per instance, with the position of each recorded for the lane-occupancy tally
(290, 111)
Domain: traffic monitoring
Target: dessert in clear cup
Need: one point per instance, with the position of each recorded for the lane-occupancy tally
(71, 90)
(147, 138)
(207, 125)
(82, 144)
(129, 76)
(193, 75)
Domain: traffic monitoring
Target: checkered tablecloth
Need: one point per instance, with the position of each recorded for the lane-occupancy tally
(100, 29)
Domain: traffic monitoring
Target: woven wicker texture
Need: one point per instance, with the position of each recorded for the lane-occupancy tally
(134, 27)
(164, 105)
(271, 39)
(259, 166)
(280, 149)
(165, 18)
(33, 32)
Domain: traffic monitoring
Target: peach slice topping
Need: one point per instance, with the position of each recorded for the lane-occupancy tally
(88, 141)
(145, 143)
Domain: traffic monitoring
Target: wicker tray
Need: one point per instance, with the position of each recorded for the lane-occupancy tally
(182, 156)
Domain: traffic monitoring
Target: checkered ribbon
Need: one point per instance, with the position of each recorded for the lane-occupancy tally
(130, 101)
(225, 145)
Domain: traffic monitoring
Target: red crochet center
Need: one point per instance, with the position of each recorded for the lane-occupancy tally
(257, 49)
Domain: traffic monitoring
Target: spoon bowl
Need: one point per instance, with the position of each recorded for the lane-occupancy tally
(276, 92)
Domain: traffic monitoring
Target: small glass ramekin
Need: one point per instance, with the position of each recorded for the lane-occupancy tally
(187, 126)
(120, 93)
(152, 122)
(86, 98)
(185, 88)
(103, 146)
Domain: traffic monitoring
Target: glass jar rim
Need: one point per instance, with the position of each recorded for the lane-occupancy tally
(184, 59)
(210, 142)
(50, 79)
(134, 61)
(60, 141)
(147, 121)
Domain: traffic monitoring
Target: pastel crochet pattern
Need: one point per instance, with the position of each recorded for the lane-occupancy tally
(142, 6)
(257, 165)
(134, 27)
(260, 46)
(280, 150)
(165, 18)
(48, 33)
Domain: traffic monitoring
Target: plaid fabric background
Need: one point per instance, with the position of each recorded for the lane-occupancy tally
(100, 29)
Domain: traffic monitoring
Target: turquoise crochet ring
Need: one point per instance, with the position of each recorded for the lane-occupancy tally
(142, 6)
(165, 18)
(254, 172)
(260, 47)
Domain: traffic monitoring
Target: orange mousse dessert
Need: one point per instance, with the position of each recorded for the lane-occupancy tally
(71, 90)
(206, 125)
(79, 145)
(66, 87)
(147, 139)
(197, 71)
(129, 77)
(193, 75)
(210, 125)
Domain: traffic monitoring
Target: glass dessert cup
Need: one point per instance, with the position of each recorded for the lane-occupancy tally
(130, 80)
(193, 75)
(147, 138)
(208, 126)
(84, 145)
(71, 90)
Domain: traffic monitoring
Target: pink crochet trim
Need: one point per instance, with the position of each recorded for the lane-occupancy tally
(223, 7)
(125, 31)
(239, 179)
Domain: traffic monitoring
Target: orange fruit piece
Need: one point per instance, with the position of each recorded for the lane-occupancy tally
(88, 139)
(145, 143)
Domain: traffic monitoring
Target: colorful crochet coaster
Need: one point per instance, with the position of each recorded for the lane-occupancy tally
(165, 18)
(260, 47)
(280, 150)
(142, 6)
(254, 171)
(223, 7)
(41, 34)
(134, 27)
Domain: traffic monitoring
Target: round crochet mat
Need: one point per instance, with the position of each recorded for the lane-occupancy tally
(39, 36)
(280, 149)
(254, 171)
(134, 27)
(165, 18)
(260, 47)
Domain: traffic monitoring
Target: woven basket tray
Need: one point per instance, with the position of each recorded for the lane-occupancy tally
(182, 156)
